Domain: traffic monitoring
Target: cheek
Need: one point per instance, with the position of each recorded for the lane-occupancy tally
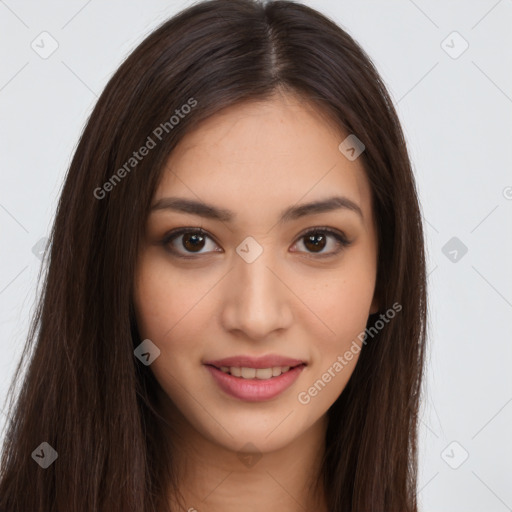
(174, 312)
(343, 305)
(153, 305)
(163, 297)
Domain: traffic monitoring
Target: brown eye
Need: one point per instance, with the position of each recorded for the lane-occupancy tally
(316, 240)
(193, 241)
(183, 242)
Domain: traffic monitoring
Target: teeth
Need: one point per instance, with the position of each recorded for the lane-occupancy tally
(248, 373)
(258, 373)
(263, 373)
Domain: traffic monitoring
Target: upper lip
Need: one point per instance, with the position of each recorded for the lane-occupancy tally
(267, 361)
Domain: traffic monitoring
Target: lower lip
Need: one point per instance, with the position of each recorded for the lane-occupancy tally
(254, 390)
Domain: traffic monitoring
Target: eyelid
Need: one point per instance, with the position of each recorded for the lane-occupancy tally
(339, 235)
(324, 229)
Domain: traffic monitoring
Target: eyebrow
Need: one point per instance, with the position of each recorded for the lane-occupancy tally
(291, 213)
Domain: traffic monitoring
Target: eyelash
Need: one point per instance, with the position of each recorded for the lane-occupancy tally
(339, 236)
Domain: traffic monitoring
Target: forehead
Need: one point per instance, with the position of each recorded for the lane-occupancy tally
(265, 155)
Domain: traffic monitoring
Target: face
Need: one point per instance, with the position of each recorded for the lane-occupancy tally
(256, 292)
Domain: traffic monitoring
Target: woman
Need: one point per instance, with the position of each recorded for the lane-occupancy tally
(234, 307)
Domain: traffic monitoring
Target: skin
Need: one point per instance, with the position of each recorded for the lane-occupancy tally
(255, 159)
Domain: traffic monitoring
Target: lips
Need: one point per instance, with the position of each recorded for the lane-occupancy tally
(267, 361)
(254, 390)
(248, 378)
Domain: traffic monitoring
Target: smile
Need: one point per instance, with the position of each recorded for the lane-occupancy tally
(255, 373)
(254, 384)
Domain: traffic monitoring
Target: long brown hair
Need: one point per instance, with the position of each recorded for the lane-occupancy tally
(84, 393)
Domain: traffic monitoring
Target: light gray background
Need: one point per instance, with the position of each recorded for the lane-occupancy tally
(456, 114)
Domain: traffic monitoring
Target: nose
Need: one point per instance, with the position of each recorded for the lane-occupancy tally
(258, 301)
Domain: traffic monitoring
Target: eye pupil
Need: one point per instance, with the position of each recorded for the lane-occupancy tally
(193, 238)
(315, 238)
